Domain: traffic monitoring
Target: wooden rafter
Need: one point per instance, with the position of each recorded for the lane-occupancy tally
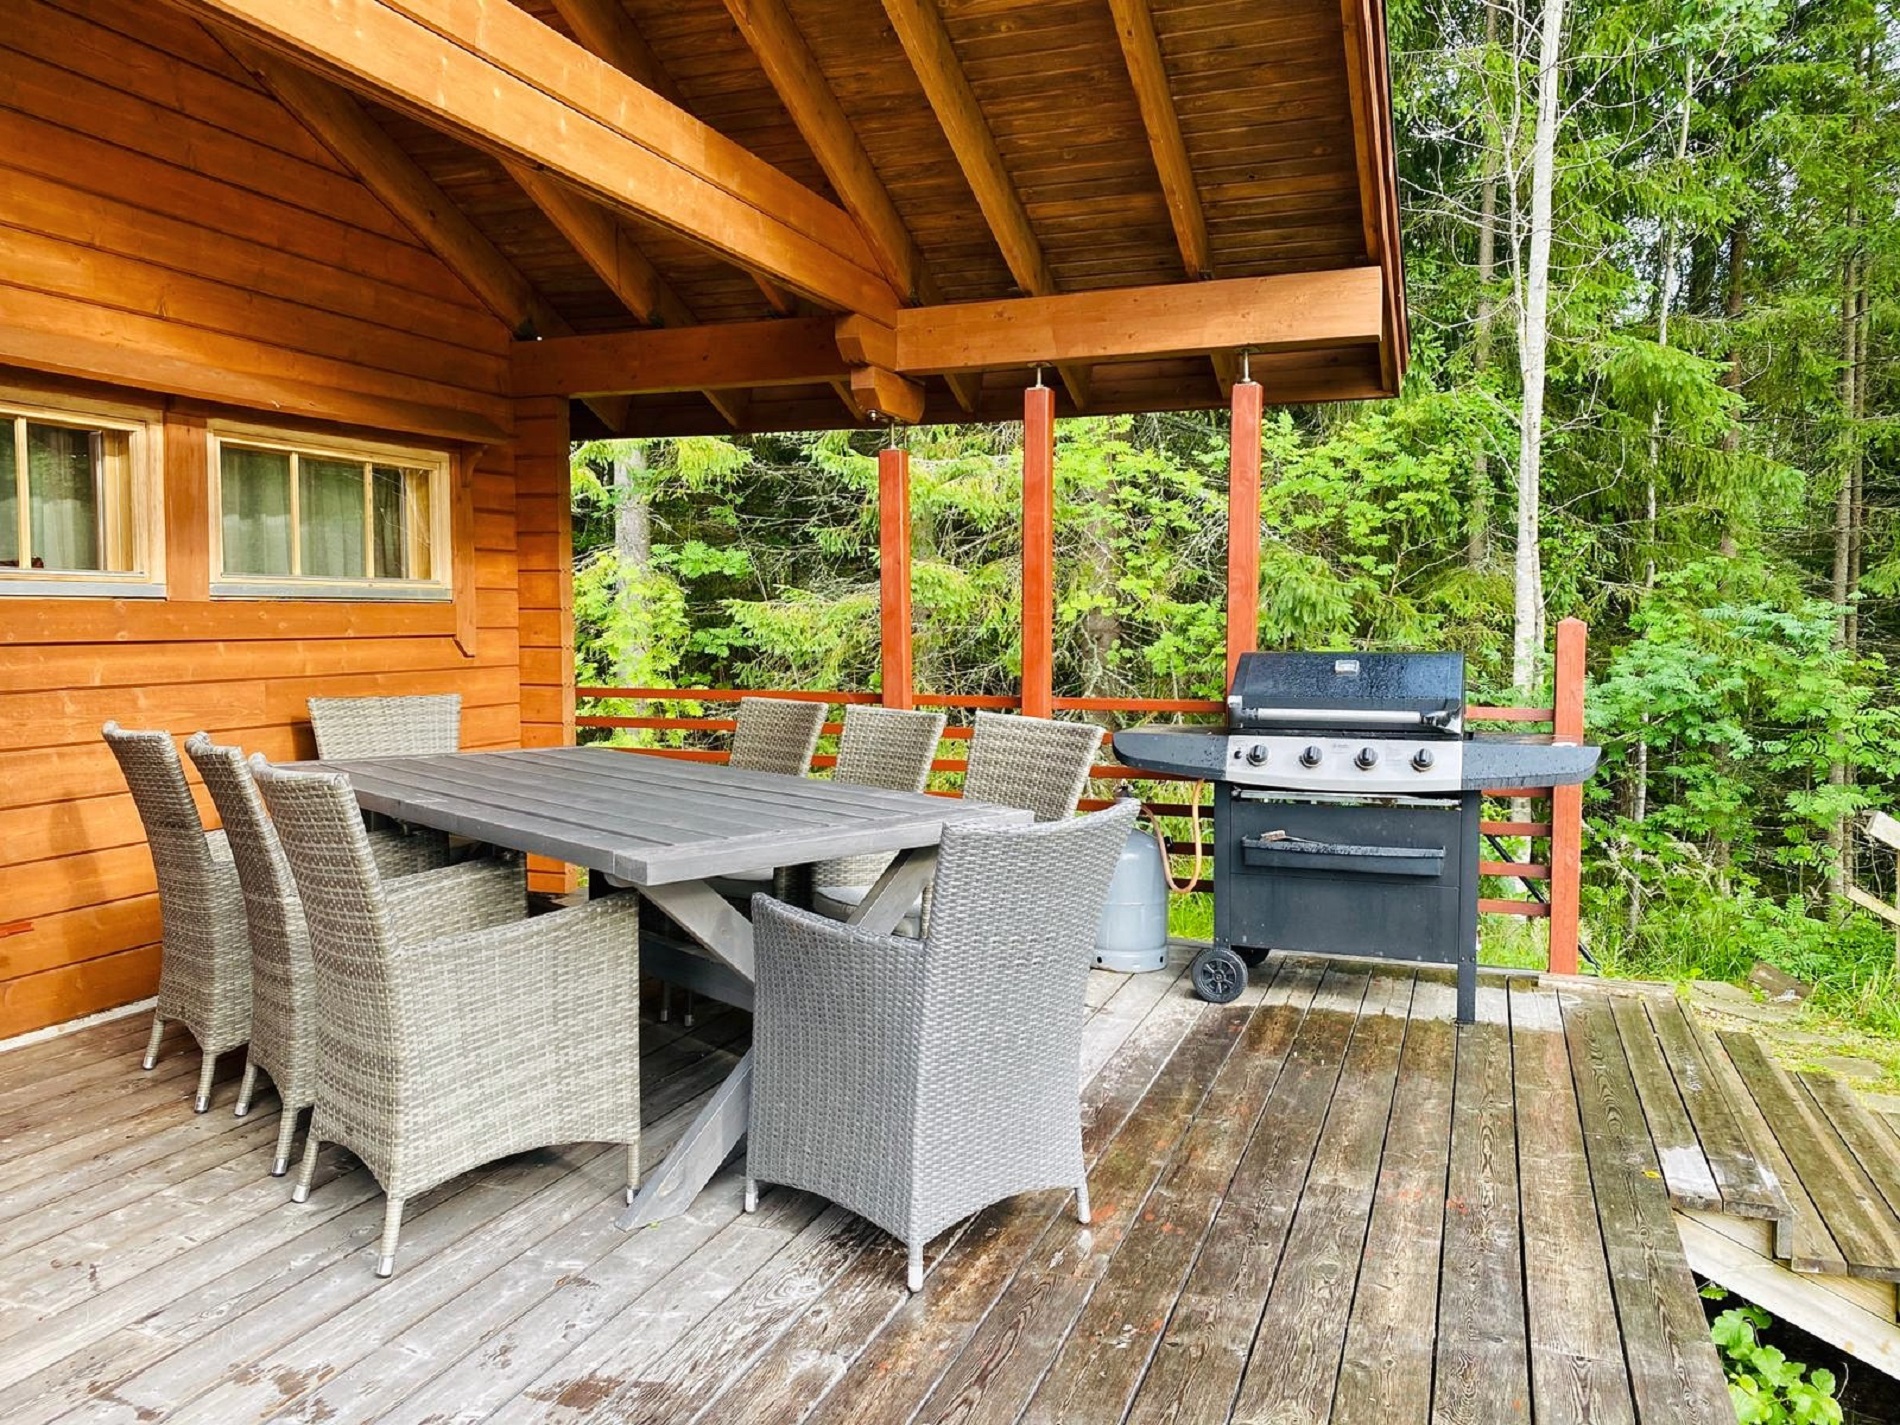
(1135, 27)
(604, 243)
(920, 30)
(793, 70)
(1148, 75)
(1371, 126)
(361, 145)
(1290, 312)
(508, 83)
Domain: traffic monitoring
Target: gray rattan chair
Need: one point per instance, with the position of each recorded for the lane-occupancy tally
(1030, 763)
(880, 747)
(387, 727)
(204, 977)
(445, 1044)
(776, 735)
(916, 1082)
(283, 981)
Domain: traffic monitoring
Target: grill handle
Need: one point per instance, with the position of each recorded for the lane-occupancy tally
(1346, 717)
(1276, 851)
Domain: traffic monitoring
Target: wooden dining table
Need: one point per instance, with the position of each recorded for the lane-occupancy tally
(667, 827)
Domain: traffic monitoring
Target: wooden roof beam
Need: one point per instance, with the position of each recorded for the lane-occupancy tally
(1141, 49)
(1367, 87)
(604, 243)
(360, 144)
(1288, 312)
(499, 78)
(794, 72)
(920, 30)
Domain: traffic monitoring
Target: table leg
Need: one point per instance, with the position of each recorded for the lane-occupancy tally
(896, 891)
(718, 1129)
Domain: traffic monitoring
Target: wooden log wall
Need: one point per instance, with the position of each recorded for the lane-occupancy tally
(169, 229)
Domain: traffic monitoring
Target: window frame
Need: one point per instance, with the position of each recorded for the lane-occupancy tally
(439, 587)
(143, 428)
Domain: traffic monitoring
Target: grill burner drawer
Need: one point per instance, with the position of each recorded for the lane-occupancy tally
(1394, 878)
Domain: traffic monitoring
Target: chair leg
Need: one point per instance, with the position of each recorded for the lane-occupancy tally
(286, 1130)
(151, 1045)
(206, 1071)
(666, 1000)
(1082, 1202)
(246, 1089)
(392, 1228)
(916, 1279)
(306, 1173)
(751, 1194)
(686, 1019)
(633, 1172)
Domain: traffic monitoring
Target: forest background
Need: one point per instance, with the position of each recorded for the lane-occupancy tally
(1653, 264)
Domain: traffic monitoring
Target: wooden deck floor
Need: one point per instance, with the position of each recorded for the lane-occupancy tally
(1323, 1202)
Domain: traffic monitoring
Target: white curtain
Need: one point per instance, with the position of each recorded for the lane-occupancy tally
(9, 498)
(330, 511)
(64, 497)
(255, 488)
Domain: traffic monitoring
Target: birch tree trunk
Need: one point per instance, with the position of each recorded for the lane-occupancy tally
(1478, 519)
(1533, 340)
(1844, 510)
(633, 541)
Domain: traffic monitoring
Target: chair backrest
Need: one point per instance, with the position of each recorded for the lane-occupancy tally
(776, 735)
(1014, 911)
(280, 943)
(1031, 763)
(180, 853)
(887, 747)
(418, 726)
(321, 830)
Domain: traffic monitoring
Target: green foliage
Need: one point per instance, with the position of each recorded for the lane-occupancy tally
(1766, 1387)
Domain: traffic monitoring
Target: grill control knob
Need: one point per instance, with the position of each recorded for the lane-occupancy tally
(1310, 757)
(1422, 759)
(1256, 754)
(1367, 759)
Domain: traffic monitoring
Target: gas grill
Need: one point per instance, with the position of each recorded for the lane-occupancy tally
(1347, 809)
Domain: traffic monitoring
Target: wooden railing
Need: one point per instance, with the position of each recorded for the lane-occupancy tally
(1558, 835)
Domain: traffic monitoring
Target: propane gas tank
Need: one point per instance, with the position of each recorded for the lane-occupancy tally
(1133, 935)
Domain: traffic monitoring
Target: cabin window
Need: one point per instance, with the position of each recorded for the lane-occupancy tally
(302, 519)
(72, 502)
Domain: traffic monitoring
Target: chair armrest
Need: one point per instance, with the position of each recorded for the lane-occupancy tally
(453, 900)
(819, 976)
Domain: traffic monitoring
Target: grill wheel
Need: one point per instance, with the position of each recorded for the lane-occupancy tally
(1219, 975)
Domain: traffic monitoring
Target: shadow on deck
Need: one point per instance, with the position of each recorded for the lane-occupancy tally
(1321, 1202)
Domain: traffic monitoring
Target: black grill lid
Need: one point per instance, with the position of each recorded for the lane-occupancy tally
(1419, 692)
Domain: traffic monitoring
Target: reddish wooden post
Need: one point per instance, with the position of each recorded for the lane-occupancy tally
(893, 542)
(1566, 803)
(1039, 551)
(1243, 524)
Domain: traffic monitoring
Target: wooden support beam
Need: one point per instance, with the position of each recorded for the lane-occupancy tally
(604, 243)
(1290, 312)
(1243, 525)
(499, 78)
(920, 29)
(1373, 158)
(1566, 803)
(880, 392)
(1141, 49)
(1039, 550)
(894, 606)
(788, 351)
(604, 28)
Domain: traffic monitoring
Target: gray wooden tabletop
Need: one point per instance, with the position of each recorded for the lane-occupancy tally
(652, 821)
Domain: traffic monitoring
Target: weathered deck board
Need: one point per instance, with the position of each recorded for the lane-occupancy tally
(1746, 1186)
(1325, 1202)
(1685, 1167)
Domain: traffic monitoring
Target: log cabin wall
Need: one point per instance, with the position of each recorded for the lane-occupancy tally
(167, 228)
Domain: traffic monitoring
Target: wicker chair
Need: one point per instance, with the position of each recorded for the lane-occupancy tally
(347, 728)
(880, 747)
(917, 1082)
(1030, 763)
(776, 735)
(204, 977)
(449, 1036)
(283, 981)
